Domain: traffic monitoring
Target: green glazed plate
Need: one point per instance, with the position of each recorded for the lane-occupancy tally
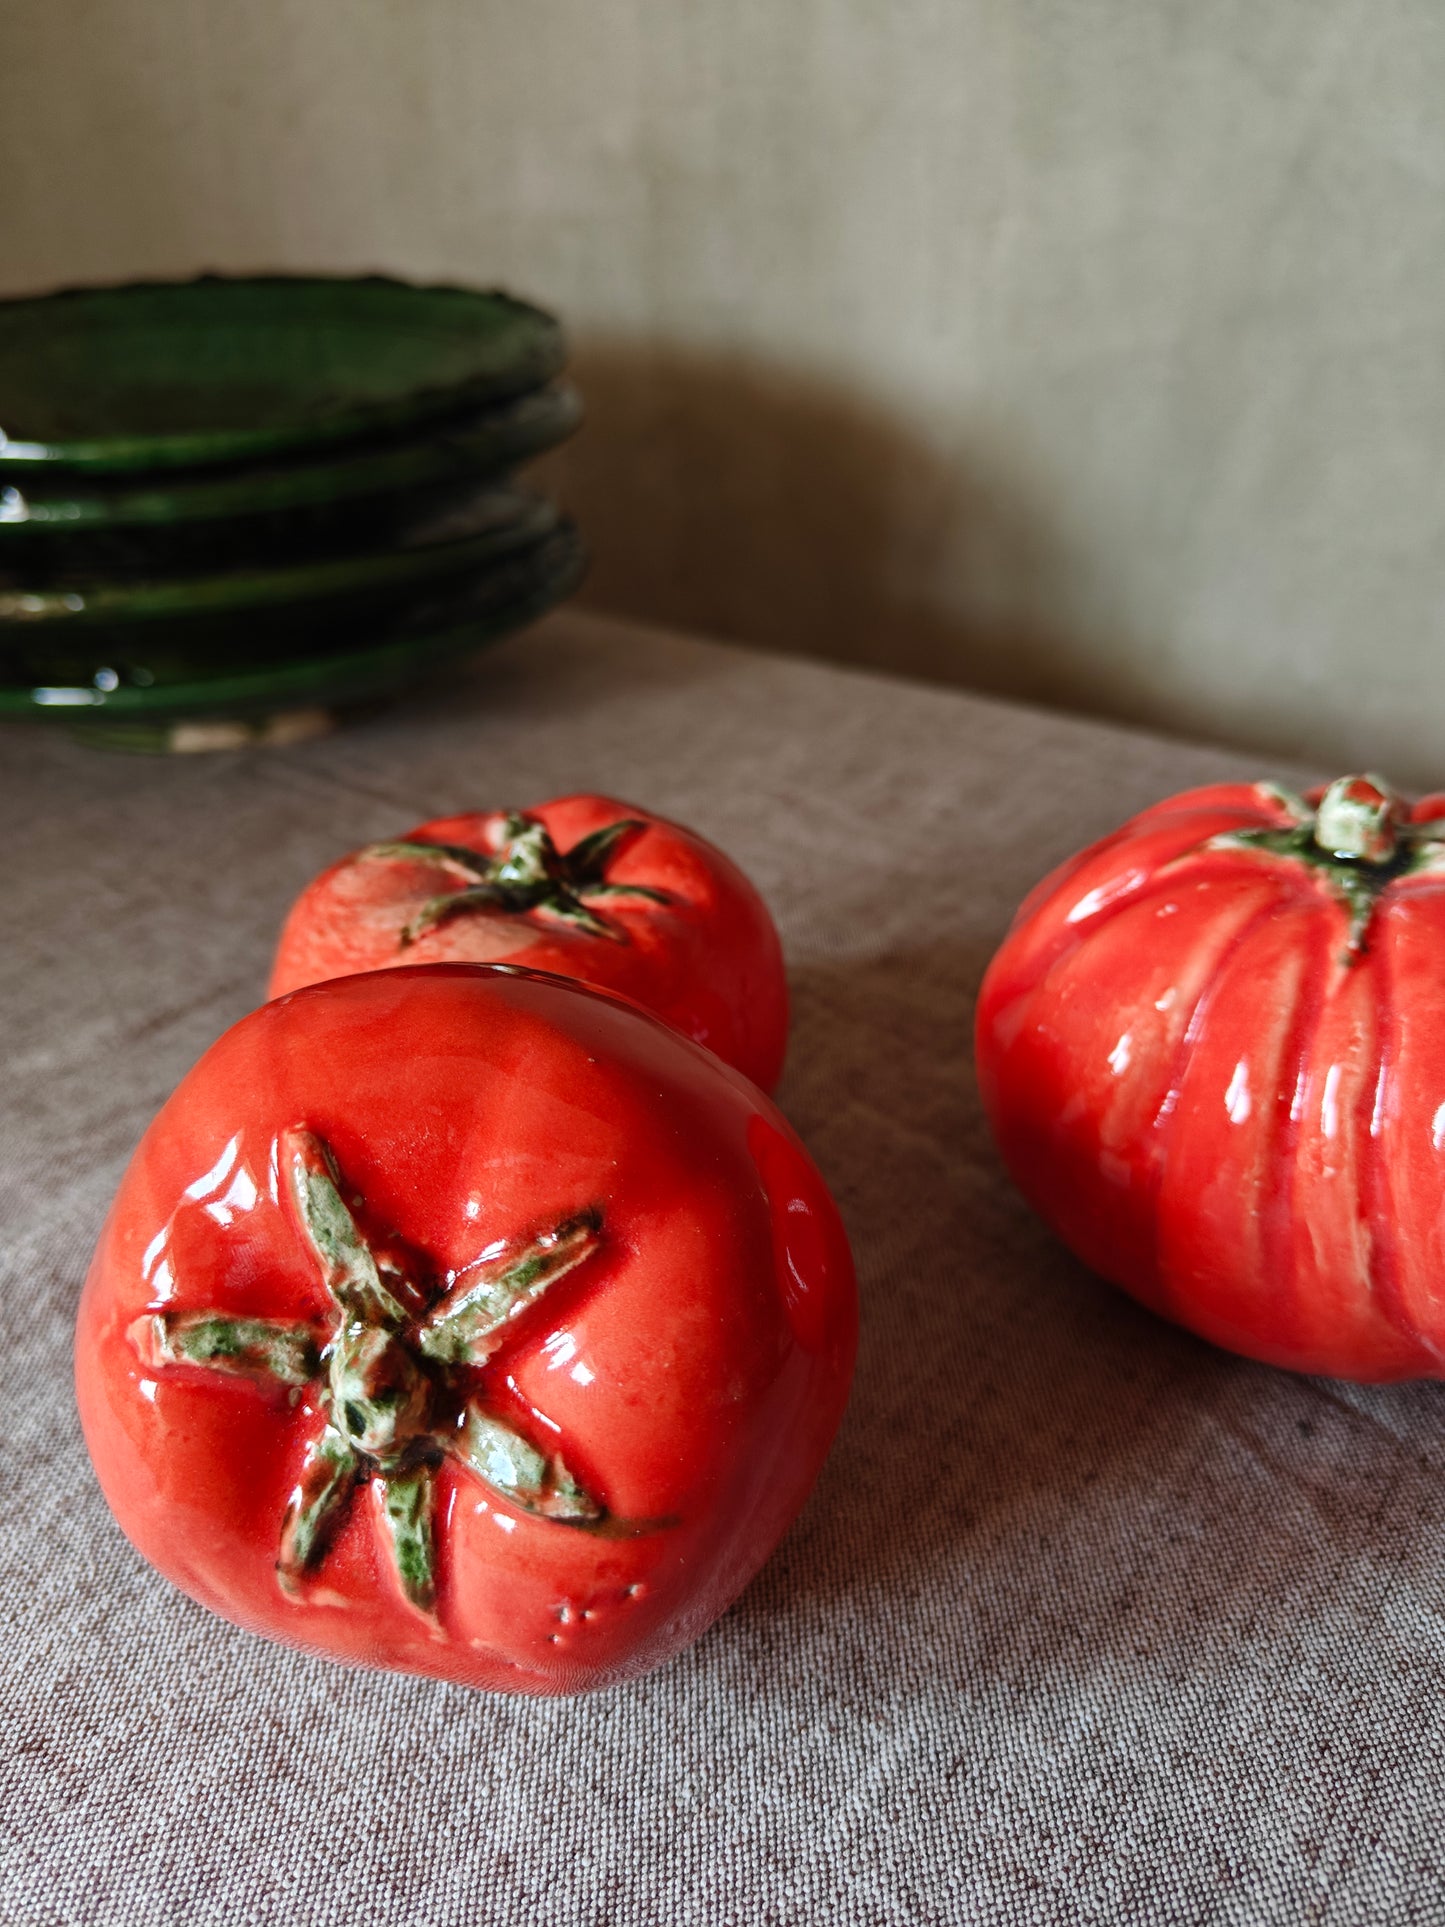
(181, 374)
(513, 595)
(344, 499)
(149, 632)
(177, 630)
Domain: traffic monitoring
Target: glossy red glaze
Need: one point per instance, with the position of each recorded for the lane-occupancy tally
(707, 960)
(694, 1370)
(1215, 1104)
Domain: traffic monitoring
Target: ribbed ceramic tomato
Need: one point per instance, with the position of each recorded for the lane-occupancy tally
(469, 1322)
(1212, 1049)
(583, 886)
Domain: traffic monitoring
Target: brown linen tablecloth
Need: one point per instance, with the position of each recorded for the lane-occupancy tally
(1085, 1621)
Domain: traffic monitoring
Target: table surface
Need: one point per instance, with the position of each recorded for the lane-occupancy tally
(1085, 1621)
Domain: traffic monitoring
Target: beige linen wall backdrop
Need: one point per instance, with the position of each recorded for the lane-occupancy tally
(1086, 349)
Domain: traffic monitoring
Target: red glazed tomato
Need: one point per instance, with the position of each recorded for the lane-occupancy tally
(1212, 1049)
(584, 886)
(468, 1322)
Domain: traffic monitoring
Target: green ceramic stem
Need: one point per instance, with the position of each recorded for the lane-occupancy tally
(528, 873)
(1356, 821)
(512, 1466)
(348, 1265)
(409, 1509)
(468, 1324)
(252, 1347)
(388, 1380)
(329, 1473)
(1358, 840)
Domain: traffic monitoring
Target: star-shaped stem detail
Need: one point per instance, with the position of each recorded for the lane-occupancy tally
(527, 873)
(394, 1374)
(1358, 839)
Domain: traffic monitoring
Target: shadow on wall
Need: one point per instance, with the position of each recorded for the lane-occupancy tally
(746, 501)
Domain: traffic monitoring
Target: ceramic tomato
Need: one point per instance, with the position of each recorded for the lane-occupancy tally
(1212, 1049)
(469, 1322)
(583, 886)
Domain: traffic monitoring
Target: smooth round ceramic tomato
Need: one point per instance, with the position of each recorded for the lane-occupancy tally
(583, 886)
(469, 1322)
(1212, 1050)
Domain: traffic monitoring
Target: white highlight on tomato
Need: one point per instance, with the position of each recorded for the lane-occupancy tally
(1329, 1108)
(1107, 893)
(218, 1173)
(1237, 1099)
(561, 1349)
(240, 1197)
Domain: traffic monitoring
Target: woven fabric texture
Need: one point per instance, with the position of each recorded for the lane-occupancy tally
(1084, 1622)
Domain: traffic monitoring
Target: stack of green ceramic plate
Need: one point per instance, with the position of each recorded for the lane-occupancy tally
(229, 507)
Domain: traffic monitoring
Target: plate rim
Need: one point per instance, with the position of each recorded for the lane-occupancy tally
(65, 614)
(117, 454)
(278, 684)
(174, 500)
